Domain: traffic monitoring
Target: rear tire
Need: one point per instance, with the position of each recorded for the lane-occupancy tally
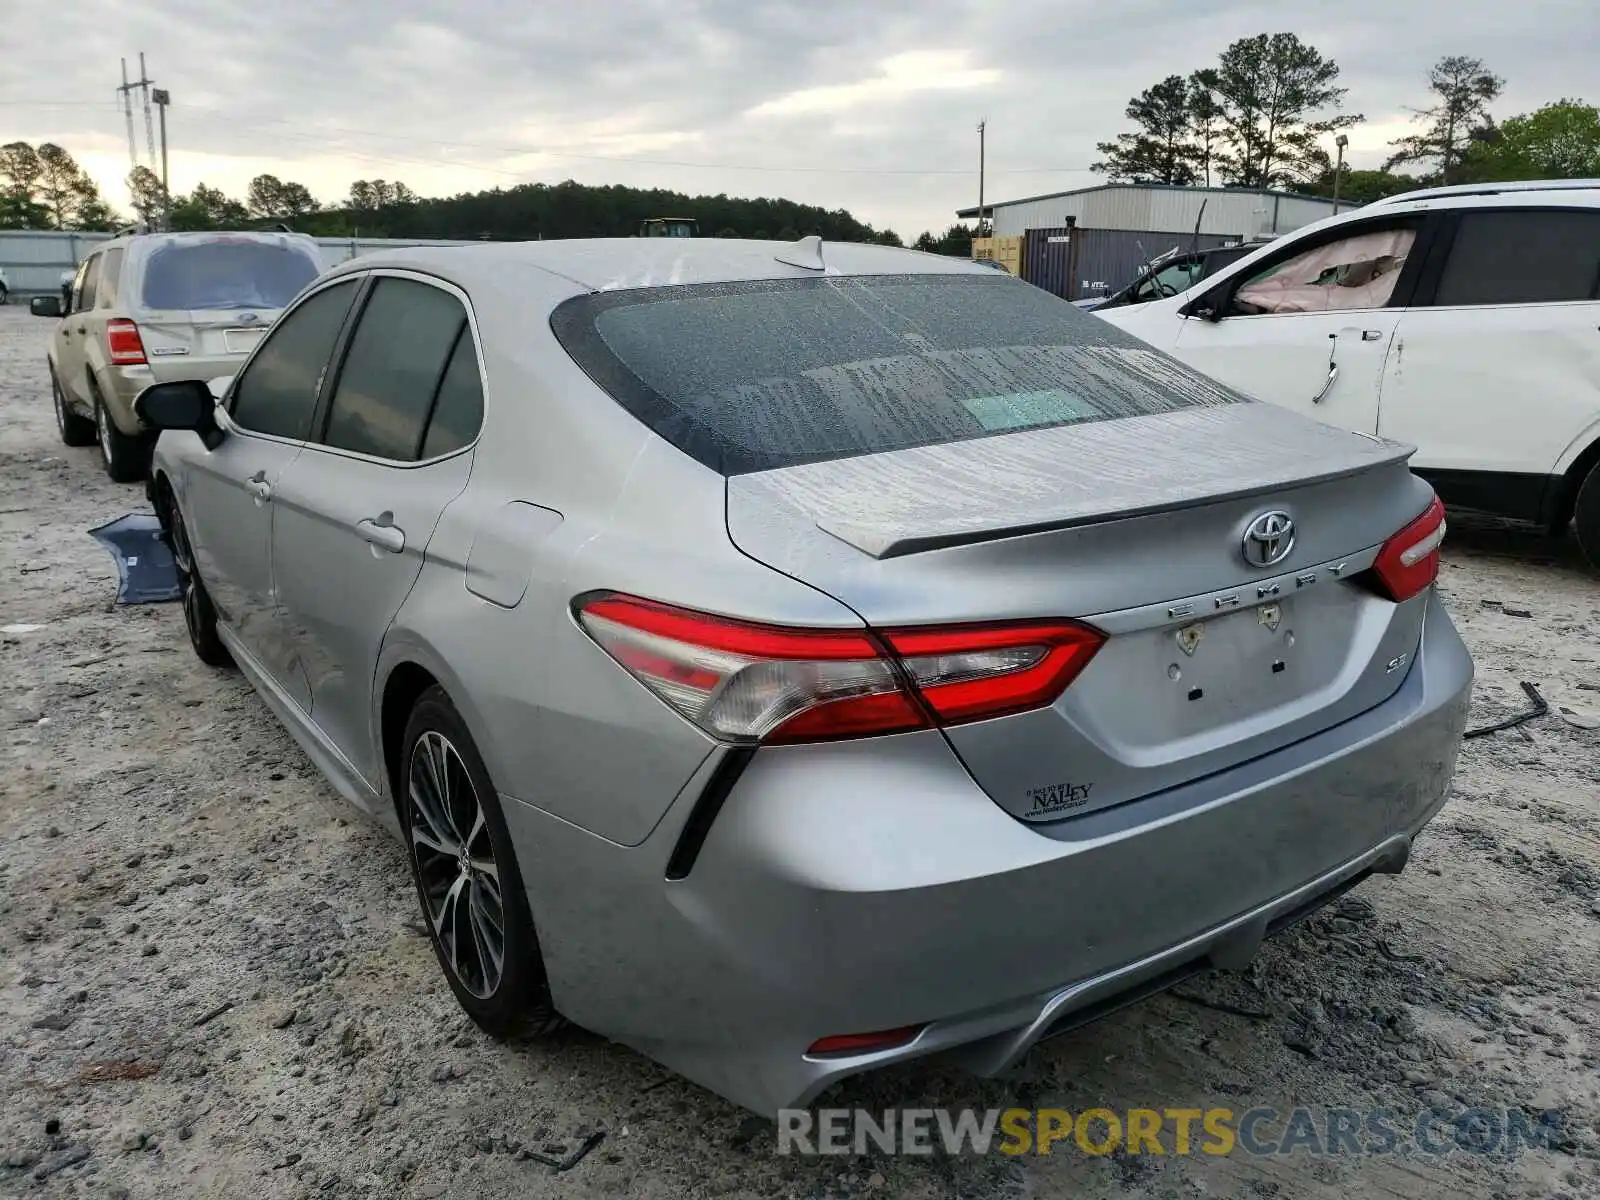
(1586, 517)
(75, 430)
(199, 615)
(126, 459)
(473, 902)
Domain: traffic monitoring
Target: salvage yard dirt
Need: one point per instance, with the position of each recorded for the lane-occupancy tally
(213, 980)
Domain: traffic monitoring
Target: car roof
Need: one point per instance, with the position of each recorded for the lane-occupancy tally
(613, 264)
(1468, 190)
(155, 238)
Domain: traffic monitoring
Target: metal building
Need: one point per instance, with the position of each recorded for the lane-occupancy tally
(1158, 208)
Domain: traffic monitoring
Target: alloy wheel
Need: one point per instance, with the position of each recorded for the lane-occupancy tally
(188, 584)
(456, 865)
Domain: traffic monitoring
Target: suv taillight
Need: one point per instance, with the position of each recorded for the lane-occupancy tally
(124, 343)
(1409, 561)
(761, 683)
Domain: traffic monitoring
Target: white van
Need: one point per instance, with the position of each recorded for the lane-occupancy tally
(1464, 320)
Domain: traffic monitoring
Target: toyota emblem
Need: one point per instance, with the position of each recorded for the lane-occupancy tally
(1268, 539)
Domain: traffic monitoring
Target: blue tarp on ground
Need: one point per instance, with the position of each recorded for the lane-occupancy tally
(144, 562)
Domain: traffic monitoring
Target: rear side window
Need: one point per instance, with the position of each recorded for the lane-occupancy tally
(754, 376)
(458, 412)
(1522, 257)
(394, 368)
(110, 275)
(226, 273)
(277, 392)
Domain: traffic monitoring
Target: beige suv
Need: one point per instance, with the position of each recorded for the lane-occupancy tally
(150, 307)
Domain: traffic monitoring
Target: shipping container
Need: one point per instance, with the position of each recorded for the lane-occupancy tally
(1047, 256)
(1110, 259)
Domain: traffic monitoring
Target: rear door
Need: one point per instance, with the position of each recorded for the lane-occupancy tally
(73, 365)
(1310, 326)
(1496, 368)
(229, 497)
(356, 509)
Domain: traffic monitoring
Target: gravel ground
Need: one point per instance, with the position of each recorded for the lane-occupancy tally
(213, 981)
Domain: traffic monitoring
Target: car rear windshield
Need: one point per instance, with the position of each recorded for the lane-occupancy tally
(226, 273)
(755, 376)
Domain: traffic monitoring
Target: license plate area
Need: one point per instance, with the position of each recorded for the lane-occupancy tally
(1179, 688)
(241, 341)
(1241, 658)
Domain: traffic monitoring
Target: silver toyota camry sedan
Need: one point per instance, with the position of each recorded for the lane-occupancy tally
(788, 659)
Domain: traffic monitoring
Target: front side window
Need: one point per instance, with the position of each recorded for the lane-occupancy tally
(74, 287)
(277, 392)
(766, 374)
(226, 272)
(1168, 281)
(89, 288)
(1523, 257)
(1352, 273)
(393, 370)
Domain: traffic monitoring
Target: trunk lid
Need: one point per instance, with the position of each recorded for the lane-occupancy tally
(178, 342)
(1136, 526)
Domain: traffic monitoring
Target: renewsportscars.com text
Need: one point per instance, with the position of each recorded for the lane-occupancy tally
(1497, 1132)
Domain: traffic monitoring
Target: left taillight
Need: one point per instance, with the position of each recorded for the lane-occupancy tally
(124, 343)
(742, 681)
(1409, 561)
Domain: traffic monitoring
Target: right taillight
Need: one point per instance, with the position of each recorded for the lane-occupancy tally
(742, 681)
(1409, 561)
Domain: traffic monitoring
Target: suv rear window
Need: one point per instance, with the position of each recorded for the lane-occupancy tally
(226, 273)
(755, 376)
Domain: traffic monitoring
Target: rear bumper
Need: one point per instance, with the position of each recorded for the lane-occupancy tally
(872, 885)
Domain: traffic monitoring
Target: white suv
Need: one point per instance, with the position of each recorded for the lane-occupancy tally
(1463, 320)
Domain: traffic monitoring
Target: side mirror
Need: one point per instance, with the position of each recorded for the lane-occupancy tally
(47, 306)
(185, 404)
(219, 387)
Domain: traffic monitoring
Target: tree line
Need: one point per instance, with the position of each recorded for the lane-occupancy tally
(1259, 118)
(42, 187)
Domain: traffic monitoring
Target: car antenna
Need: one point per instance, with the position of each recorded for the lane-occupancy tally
(1194, 245)
(807, 253)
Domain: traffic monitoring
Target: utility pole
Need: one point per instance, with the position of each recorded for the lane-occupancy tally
(144, 89)
(982, 125)
(1338, 171)
(126, 92)
(162, 98)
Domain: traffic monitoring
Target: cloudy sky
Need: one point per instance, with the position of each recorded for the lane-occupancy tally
(828, 102)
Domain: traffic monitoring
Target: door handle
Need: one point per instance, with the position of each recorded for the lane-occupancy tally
(382, 533)
(1327, 384)
(259, 487)
(1371, 335)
